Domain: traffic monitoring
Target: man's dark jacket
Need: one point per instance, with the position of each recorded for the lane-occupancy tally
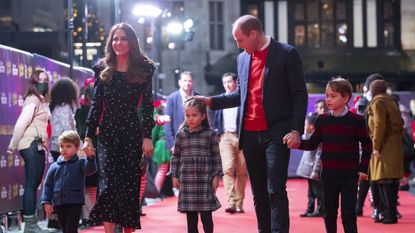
(284, 94)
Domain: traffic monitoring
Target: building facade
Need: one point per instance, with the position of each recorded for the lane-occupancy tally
(353, 38)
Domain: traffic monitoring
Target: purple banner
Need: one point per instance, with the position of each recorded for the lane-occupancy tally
(16, 66)
(15, 69)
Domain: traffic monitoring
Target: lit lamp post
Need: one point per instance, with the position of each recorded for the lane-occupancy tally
(70, 38)
(179, 32)
(149, 11)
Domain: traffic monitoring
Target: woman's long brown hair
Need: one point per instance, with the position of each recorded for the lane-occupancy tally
(139, 68)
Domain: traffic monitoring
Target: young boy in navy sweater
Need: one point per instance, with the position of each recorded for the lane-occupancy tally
(65, 182)
(340, 132)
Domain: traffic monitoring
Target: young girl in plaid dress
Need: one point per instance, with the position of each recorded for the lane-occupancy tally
(196, 167)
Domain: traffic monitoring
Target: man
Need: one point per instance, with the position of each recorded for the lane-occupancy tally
(233, 163)
(273, 102)
(174, 107)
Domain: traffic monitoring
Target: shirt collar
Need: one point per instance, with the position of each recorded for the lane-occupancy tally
(62, 160)
(184, 96)
(341, 114)
(267, 42)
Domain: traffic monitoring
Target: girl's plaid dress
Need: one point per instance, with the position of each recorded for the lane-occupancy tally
(196, 160)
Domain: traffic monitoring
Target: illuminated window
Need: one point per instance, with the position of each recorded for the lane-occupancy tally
(389, 12)
(322, 23)
(216, 25)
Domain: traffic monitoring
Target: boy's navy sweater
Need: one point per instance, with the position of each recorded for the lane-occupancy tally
(65, 181)
(340, 137)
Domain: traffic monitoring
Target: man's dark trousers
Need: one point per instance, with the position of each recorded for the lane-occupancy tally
(267, 164)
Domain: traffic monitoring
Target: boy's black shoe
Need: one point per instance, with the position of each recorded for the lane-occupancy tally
(315, 214)
(359, 211)
(305, 214)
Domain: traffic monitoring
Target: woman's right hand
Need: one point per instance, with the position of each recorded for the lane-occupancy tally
(88, 147)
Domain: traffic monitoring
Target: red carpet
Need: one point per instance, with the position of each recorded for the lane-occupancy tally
(163, 217)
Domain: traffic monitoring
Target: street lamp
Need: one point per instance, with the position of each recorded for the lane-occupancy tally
(70, 38)
(149, 11)
(144, 10)
(180, 31)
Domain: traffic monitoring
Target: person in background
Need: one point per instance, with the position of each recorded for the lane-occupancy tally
(63, 191)
(162, 156)
(310, 167)
(81, 114)
(233, 162)
(63, 103)
(340, 132)
(364, 183)
(386, 131)
(174, 107)
(123, 86)
(320, 107)
(31, 139)
(196, 167)
(91, 182)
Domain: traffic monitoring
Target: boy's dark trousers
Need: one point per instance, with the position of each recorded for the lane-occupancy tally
(68, 215)
(192, 219)
(315, 191)
(333, 188)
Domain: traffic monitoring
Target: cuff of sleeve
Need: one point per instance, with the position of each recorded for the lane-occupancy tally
(218, 173)
(363, 169)
(90, 133)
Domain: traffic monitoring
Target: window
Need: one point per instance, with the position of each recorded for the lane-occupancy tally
(321, 23)
(216, 25)
(388, 11)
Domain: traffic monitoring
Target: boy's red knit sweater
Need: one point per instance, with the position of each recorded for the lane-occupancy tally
(340, 137)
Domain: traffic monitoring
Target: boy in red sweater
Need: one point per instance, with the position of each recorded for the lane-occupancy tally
(340, 131)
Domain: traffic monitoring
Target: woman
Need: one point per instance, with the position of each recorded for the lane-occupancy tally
(386, 165)
(31, 139)
(64, 101)
(123, 86)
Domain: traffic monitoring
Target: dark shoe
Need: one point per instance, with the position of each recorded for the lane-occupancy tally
(315, 214)
(230, 210)
(378, 216)
(375, 214)
(390, 220)
(305, 214)
(359, 211)
(240, 210)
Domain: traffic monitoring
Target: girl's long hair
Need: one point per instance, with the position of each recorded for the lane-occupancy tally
(199, 105)
(140, 68)
(32, 83)
(64, 91)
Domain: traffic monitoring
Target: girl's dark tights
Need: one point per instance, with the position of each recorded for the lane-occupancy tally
(192, 220)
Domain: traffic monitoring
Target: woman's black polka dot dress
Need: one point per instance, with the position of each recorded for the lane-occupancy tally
(115, 111)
